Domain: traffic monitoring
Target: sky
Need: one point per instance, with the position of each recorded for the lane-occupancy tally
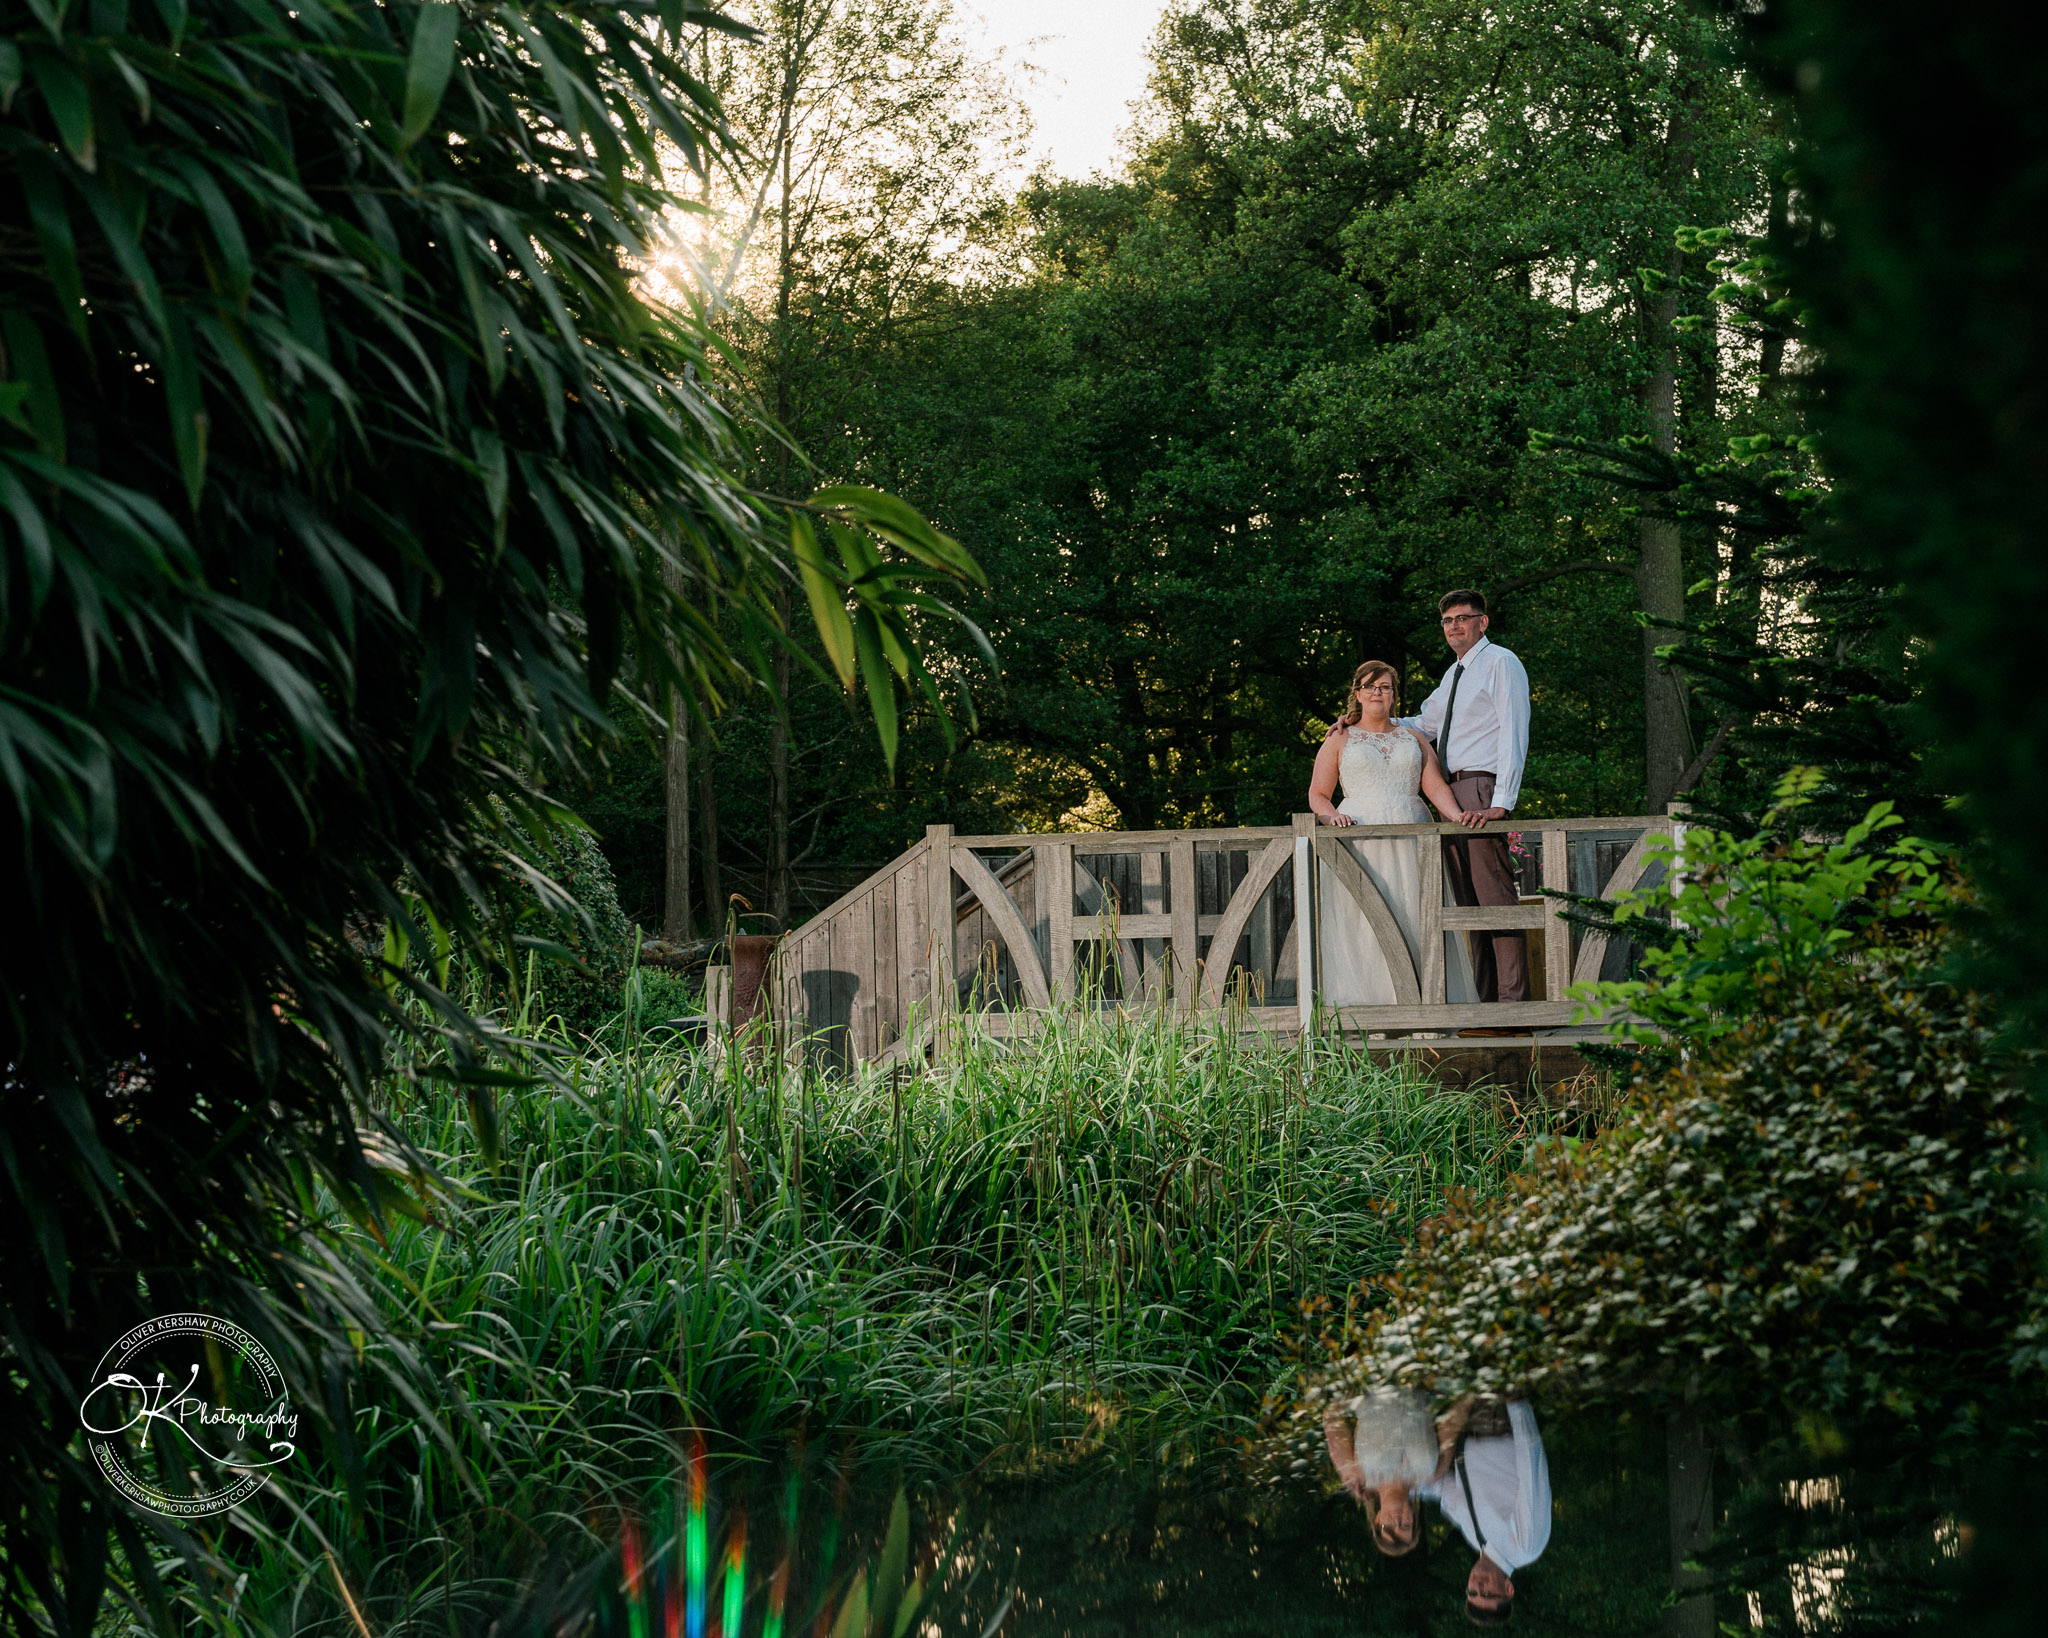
(1093, 55)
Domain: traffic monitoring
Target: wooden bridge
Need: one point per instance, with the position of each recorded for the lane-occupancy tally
(1008, 927)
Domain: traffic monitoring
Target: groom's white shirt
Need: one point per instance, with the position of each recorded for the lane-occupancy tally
(1490, 727)
(1510, 1480)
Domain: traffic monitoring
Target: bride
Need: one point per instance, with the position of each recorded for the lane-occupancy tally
(1383, 766)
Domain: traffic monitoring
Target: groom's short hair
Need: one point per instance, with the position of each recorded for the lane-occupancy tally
(1476, 600)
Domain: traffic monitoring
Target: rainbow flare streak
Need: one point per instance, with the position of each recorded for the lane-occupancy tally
(695, 1546)
(635, 1566)
(735, 1578)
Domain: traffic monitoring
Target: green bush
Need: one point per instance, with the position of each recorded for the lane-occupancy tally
(1737, 917)
(1826, 1206)
(1818, 1192)
(657, 996)
(587, 989)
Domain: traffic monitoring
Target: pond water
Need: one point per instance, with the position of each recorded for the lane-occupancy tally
(1656, 1526)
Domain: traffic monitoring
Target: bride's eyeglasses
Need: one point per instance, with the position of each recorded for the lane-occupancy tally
(1378, 688)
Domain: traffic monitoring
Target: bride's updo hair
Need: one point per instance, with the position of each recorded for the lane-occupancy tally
(1371, 671)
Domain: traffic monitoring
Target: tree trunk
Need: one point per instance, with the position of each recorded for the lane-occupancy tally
(707, 833)
(1222, 786)
(1660, 590)
(778, 738)
(778, 783)
(1742, 574)
(676, 910)
(1689, 1482)
(1771, 366)
(677, 919)
(1660, 568)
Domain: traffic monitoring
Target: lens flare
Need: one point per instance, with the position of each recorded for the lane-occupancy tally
(778, 1589)
(694, 1611)
(735, 1576)
(635, 1563)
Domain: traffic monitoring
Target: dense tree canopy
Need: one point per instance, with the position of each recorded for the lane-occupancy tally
(1226, 423)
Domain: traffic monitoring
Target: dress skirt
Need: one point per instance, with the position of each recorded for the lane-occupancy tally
(1354, 967)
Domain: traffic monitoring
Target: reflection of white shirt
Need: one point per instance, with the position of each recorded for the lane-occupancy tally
(1490, 722)
(1510, 1492)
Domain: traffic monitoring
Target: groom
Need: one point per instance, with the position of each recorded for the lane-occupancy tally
(1479, 719)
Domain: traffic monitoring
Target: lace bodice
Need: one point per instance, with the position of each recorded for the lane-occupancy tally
(1382, 774)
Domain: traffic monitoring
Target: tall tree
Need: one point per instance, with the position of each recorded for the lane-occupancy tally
(871, 142)
(1564, 144)
(1226, 425)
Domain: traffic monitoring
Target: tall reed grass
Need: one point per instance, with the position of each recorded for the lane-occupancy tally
(1104, 1233)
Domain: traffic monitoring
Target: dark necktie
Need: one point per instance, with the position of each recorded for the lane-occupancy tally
(1450, 711)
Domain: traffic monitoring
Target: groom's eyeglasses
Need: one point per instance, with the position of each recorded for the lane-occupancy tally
(1459, 619)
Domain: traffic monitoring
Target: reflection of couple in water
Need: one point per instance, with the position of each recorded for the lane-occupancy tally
(1481, 1462)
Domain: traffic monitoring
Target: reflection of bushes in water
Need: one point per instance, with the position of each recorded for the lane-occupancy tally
(1103, 1543)
(1853, 1531)
(1099, 1236)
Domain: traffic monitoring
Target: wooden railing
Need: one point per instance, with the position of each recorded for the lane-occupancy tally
(978, 923)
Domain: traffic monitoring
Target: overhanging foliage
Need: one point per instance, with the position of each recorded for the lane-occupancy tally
(341, 464)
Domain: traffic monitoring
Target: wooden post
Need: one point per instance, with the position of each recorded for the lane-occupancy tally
(718, 998)
(1429, 852)
(1307, 947)
(1155, 955)
(938, 881)
(1557, 932)
(1055, 870)
(1265, 958)
(1186, 946)
(1675, 882)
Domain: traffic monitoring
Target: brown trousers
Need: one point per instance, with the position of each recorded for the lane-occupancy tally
(1482, 871)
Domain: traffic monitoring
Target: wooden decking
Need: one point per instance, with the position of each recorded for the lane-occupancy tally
(979, 923)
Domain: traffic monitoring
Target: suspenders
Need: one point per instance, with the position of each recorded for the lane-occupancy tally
(1469, 1507)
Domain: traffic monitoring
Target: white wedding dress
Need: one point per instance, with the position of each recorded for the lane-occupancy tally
(1382, 780)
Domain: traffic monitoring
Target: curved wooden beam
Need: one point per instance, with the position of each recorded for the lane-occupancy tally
(1365, 893)
(1126, 963)
(1002, 910)
(1237, 914)
(1593, 949)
